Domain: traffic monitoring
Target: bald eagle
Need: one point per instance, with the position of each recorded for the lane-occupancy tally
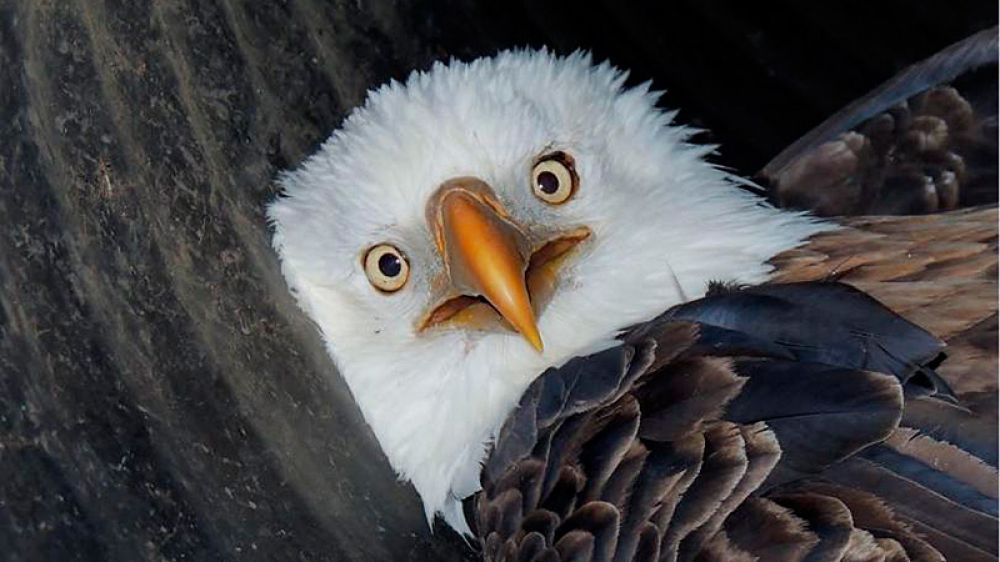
(579, 339)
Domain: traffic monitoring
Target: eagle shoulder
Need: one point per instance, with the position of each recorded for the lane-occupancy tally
(701, 439)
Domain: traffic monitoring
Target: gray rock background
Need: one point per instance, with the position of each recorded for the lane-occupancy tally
(161, 397)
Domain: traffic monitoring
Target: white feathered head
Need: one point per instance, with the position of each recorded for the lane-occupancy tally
(484, 221)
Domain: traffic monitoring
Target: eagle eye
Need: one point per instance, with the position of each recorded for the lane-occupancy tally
(386, 268)
(553, 178)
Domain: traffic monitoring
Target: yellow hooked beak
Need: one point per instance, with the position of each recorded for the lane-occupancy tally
(487, 255)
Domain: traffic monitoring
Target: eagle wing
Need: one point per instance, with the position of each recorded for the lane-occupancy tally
(846, 411)
(801, 420)
(938, 271)
(924, 141)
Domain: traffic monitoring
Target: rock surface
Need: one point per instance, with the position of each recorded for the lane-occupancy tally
(161, 397)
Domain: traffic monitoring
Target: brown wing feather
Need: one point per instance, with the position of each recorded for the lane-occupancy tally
(652, 469)
(663, 450)
(938, 271)
(924, 141)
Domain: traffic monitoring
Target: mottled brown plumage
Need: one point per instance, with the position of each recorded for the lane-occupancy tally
(938, 271)
(800, 420)
(713, 447)
(925, 141)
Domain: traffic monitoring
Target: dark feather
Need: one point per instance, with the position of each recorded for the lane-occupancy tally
(762, 453)
(770, 532)
(820, 414)
(604, 450)
(526, 479)
(828, 323)
(723, 466)
(933, 479)
(561, 498)
(767, 440)
(689, 392)
(954, 424)
(924, 141)
(721, 549)
(619, 486)
(531, 548)
(827, 517)
(542, 522)
(668, 472)
(947, 458)
(873, 514)
(600, 521)
(576, 546)
(967, 533)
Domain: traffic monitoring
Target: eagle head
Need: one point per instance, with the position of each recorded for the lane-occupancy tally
(481, 222)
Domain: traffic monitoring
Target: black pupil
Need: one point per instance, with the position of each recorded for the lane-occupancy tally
(389, 265)
(548, 182)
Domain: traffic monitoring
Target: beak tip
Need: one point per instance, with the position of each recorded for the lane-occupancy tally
(535, 339)
(538, 345)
